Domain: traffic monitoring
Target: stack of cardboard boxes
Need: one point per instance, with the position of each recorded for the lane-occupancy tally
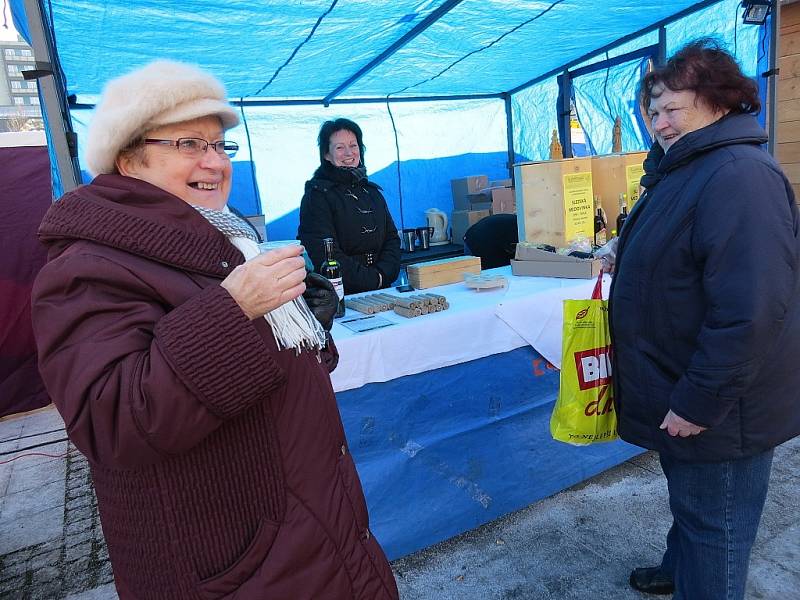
(476, 197)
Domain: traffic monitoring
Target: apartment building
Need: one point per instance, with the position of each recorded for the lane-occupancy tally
(19, 99)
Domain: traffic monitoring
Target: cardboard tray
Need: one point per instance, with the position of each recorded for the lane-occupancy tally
(531, 261)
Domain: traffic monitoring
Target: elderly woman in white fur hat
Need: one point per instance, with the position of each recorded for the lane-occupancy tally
(190, 370)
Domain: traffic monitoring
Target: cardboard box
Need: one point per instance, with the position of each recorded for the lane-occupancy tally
(496, 199)
(555, 202)
(464, 186)
(530, 261)
(480, 205)
(503, 200)
(461, 220)
(441, 272)
(616, 174)
(501, 183)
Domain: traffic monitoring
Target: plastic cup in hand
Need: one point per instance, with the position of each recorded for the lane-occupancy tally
(274, 245)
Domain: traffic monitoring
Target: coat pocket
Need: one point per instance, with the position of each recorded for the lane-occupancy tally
(227, 582)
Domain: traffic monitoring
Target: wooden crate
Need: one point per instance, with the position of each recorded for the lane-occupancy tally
(554, 201)
(441, 272)
(615, 174)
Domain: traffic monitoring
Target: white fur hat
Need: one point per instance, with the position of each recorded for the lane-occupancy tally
(160, 93)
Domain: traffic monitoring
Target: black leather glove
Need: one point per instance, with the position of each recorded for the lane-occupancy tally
(321, 299)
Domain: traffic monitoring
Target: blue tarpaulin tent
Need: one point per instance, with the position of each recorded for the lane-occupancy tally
(441, 88)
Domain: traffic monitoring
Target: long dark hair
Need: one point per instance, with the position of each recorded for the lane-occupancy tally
(329, 128)
(704, 68)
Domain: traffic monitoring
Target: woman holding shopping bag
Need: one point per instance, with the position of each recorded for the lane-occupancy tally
(705, 319)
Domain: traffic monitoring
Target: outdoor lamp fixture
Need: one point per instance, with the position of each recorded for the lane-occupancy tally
(755, 11)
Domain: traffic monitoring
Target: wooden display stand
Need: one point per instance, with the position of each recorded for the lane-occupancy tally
(554, 201)
(442, 272)
(615, 174)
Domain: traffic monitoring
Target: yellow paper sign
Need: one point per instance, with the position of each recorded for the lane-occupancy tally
(578, 206)
(633, 174)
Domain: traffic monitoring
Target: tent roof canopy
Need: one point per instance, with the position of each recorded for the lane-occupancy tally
(322, 51)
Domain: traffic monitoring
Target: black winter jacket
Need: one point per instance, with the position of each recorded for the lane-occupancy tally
(705, 318)
(339, 203)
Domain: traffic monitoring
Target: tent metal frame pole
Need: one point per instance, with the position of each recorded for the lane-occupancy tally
(772, 105)
(643, 52)
(510, 136)
(54, 98)
(316, 102)
(375, 62)
(662, 46)
(564, 113)
(632, 36)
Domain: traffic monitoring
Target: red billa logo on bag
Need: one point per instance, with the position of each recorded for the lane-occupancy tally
(593, 367)
(594, 409)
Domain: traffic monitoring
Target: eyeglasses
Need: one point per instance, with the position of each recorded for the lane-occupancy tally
(195, 147)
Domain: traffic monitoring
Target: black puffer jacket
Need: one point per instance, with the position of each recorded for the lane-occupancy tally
(705, 318)
(345, 205)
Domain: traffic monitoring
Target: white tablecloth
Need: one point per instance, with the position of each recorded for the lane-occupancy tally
(477, 324)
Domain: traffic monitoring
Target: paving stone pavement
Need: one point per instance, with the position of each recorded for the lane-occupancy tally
(51, 542)
(578, 544)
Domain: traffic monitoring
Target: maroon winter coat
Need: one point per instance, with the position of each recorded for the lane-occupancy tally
(220, 463)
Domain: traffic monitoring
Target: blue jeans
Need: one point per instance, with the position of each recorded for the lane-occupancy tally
(715, 509)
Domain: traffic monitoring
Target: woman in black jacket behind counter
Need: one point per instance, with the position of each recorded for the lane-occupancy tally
(341, 203)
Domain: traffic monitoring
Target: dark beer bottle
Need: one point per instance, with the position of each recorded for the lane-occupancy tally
(331, 270)
(623, 213)
(599, 229)
(621, 218)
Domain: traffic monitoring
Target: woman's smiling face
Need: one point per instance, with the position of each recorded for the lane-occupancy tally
(343, 150)
(673, 114)
(203, 180)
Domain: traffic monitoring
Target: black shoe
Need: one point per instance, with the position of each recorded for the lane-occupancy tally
(651, 580)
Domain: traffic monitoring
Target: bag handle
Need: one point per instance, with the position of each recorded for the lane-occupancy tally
(597, 294)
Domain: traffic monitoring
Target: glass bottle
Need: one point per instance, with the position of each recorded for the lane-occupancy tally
(331, 270)
(623, 212)
(599, 228)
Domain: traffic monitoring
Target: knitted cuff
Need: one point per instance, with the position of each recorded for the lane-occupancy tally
(218, 353)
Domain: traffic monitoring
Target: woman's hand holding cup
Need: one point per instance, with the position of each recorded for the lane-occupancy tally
(267, 281)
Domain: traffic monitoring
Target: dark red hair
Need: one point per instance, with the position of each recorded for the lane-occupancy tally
(704, 68)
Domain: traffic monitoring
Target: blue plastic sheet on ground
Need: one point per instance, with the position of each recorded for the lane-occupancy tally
(444, 451)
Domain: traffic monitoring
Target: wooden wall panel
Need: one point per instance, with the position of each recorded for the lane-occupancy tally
(790, 15)
(788, 132)
(787, 152)
(787, 147)
(789, 66)
(792, 171)
(788, 110)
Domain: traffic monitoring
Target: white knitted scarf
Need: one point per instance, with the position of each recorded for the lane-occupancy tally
(293, 324)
